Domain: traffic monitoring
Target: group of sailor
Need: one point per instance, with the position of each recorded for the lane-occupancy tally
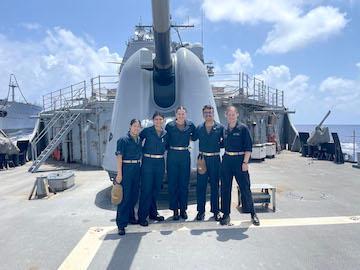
(141, 167)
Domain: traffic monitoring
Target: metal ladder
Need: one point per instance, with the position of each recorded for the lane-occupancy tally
(73, 117)
(43, 132)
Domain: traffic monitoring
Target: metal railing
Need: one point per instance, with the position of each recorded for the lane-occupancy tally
(103, 87)
(355, 141)
(250, 87)
(70, 96)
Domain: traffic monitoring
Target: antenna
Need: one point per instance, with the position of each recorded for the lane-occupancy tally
(12, 85)
(202, 28)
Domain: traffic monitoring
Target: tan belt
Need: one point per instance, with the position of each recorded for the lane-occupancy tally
(234, 153)
(209, 154)
(131, 161)
(179, 148)
(153, 156)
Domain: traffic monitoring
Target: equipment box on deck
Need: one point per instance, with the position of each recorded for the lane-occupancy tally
(258, 152)
(60, 181)
(270, 149)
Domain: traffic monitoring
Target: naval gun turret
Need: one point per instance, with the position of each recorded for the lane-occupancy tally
(163, 72)
(158, 77)
(320, 134)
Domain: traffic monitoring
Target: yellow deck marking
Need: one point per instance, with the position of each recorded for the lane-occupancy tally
(311, 221)
(83, 253)
(184, 229)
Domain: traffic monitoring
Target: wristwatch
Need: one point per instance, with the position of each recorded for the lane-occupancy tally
(245, 162)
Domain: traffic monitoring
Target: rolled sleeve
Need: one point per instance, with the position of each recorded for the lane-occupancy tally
(120, 147)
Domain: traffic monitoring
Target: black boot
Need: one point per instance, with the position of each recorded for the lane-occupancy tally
(144, 223)
(157, 218)
(183, 214)
(200, 216)
(133, 221)
(121, 231)
(176, 215)
(217, 216)
(254, 219)
(225, 220)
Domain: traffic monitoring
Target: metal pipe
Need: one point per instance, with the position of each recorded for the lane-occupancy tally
(161, 27)
(354, 144)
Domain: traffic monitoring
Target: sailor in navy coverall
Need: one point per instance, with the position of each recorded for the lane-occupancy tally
(238, 147)
(179, 131)
(128, 155)
(152, 169)
(210, 135)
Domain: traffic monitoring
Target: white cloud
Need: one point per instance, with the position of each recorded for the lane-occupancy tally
(343, 94)
(31, 25)
(337, 85)
(217, 67)
(311, 102)
(293, 28)
(59, 59)
(317, 24)
(242, 62)
(296, 88)
(245, 11)
(184, 15)
(358, 65)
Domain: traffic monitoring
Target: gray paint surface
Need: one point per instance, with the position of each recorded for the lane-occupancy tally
(134, 98)
(40, 234)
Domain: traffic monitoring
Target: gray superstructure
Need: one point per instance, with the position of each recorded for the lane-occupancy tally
(160, 80)
(17, 119)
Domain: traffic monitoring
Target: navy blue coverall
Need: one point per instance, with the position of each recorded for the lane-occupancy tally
(209, 143)
(129, 149)
(236, 140)
(178, 163)
(152, 171)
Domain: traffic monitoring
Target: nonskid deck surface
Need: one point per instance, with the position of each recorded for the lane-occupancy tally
(316, 225)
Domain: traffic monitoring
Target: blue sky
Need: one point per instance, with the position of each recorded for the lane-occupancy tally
(310, 49)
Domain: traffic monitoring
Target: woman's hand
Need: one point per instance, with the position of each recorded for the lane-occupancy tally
(245, 167)
(118, 178)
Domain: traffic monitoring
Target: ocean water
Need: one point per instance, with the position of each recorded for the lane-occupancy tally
(345, 133)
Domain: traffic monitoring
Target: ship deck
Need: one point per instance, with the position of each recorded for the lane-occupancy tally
(316, 225)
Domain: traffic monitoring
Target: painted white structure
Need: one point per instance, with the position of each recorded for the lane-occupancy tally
(135, 97)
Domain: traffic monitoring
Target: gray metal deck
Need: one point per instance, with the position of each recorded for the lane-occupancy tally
(43, 234)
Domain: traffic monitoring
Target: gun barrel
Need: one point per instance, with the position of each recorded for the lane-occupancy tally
(323, 120)
(161, 27)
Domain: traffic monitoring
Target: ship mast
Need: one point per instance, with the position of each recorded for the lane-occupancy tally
(12, 85)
